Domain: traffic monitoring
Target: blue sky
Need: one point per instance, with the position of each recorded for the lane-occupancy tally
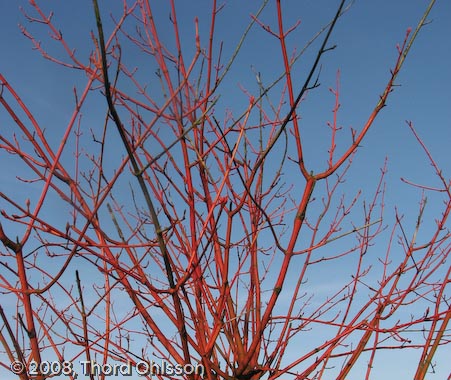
(366, 38)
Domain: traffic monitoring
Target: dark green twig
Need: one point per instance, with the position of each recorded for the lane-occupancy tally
(139, 176)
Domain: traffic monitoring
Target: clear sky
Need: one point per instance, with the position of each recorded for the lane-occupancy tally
(366, 38)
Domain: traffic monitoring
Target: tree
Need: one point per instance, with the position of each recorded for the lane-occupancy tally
(192, 234)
